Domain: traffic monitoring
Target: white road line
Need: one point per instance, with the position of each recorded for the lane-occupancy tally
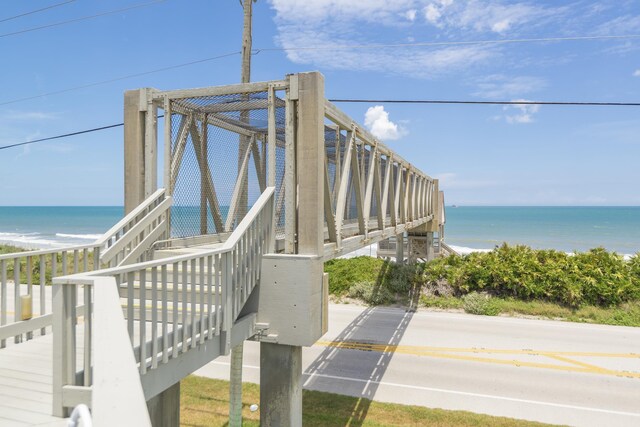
(460, 393)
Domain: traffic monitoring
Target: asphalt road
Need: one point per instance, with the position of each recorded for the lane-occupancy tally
(554, 372)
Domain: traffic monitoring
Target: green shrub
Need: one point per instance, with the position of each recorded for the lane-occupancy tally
(370, 292)
(596, 277)
(343, 273)
(479, 303)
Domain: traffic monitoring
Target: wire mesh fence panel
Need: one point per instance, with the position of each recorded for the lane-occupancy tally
(218, 160)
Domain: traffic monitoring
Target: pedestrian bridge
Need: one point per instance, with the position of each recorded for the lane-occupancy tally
(261, 183)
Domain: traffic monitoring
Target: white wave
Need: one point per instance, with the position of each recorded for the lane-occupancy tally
(28, 241)
(80, 236)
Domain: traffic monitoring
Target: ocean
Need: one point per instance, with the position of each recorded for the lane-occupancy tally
(468, 228)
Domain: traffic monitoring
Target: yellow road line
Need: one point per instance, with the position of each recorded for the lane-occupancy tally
(446, 353)
(419, 349)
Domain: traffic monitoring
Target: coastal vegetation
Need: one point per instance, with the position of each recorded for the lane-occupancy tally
(34, 271)
(205, 402)
(595, 286)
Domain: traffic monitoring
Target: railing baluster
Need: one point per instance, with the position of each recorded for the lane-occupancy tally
(143, 321)
(210, 274)
(185, 278)
(202, 298)
(85, 260)
(29, 268)
(96, 258)
(218, 275)
(54, 265)
(43, 290)
(3, 297)
(154, 317)
(88, 309)
(234, 284)
(76, 261)
(131, 277)
(174, 308)
(64, 263)
(165, 317)
(194, 303)
(17, 311)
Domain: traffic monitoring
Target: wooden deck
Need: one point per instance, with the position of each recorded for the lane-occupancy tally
(25, 384)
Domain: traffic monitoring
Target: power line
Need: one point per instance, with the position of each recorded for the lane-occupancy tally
(83, 18)
(36, 11)
(144, 73)
(66, 135)
(257, 51)
(450, 43)
(432, 101)
(375, 101)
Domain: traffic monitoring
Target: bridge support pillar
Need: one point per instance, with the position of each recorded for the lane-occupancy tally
(140, 148)
(164, 409)
(400, 248)
(280, 385)
(281, 364)
(421, 247)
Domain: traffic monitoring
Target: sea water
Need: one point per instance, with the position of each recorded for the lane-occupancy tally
(564, 228)
(567, 229)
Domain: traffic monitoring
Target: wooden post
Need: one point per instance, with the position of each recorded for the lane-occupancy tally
(310, 155)
(281, 365)
(134, 131)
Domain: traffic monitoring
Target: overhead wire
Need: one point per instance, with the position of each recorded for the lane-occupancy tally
(523, 102)
(36, 11)
(449, 43)
(82, 18)
(257, 51)
(66, 135)
(370, 101)
(115, 79)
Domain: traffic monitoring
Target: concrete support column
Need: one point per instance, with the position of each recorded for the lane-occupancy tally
(400, 248)
(430, 249)
(134, 129)
(280, 385)
(421, 247)
(281, 365)
(164, 409)
(140, 147)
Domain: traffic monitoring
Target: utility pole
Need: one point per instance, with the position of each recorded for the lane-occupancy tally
(235, 385)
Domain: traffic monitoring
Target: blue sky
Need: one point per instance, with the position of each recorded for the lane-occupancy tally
(483, 155)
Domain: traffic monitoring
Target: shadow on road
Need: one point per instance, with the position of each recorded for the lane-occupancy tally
(365, 368)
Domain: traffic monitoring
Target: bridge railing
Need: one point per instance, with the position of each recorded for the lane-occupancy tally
(24, 276)
(129, 240)
(174, 307)
(371, 192)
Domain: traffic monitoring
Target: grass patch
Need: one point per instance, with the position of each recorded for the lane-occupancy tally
(627, 314)
(205, 402)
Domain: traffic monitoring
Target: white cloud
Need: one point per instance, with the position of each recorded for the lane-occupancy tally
(524, 112)
(636, 73)
(432, 14)
(488, 16)
(500, 86)
(408, 61)
(344, 23)
(339, 23)
(377, 120)
(314, 11)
